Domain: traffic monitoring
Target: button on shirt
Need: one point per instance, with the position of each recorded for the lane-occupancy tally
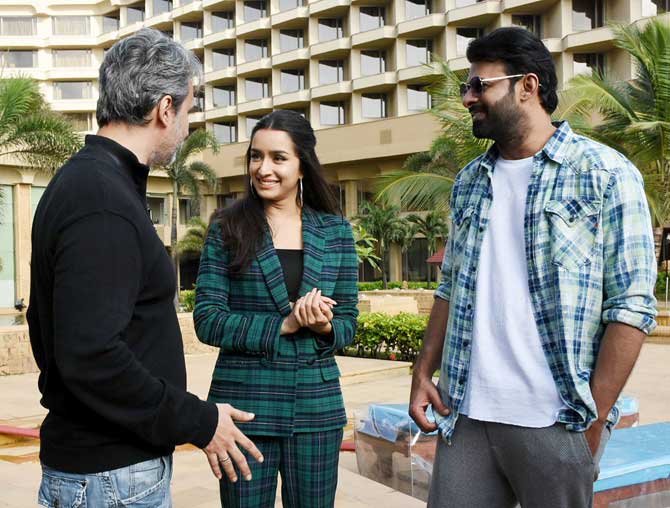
(590, 259)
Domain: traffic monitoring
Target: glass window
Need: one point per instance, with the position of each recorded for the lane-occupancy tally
(291, 39)
(81, 122)
(7, 290)
(292, 80)
(222, 58)
(371, 18)
(585, 63)
(187, 210)
(255, 9)
(464, 36)
(419, 52)
(222, 20)
(71, 25)
(655, 7)
(162, 6)
(587, 14)
(332, 113)
(374, 105)
(257, 88)
(17, 25)
(135, 13)
(417, 8)
(224, 96)
(225, 132)
(255, 49)
(225, 200)
(13, 59)
(251, 123)
(72, 89)
(330, 29)
(198, 105)
(418, 99)
(285, 5)
(157, 209)
(373, 62)
(416, 260)
(529, 22)
(71, 57)
(191, 30)
(110, 22)
(331, 71)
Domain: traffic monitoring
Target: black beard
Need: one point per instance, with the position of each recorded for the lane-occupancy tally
(504, 123)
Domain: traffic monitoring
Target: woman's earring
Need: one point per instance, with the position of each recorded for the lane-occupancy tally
(300, 195)
(251, 186)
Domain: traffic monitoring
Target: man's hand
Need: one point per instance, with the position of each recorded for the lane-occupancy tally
(593, 435)
(222, 449)
(423, 393)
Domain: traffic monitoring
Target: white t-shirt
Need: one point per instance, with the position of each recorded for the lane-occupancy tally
(509, 380)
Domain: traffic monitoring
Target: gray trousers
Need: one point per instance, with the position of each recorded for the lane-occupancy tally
(493, 465)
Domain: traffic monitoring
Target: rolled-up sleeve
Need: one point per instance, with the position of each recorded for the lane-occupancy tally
(629, 268)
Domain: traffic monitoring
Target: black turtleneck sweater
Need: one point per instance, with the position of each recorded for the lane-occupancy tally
(102, 321)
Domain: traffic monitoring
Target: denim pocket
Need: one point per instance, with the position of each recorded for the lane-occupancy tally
(143, 483)
(61, 492)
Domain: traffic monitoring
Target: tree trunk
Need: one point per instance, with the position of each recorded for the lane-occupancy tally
(384, 275)
(173, 240)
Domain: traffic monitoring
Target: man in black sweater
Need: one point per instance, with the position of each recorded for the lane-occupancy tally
(102, 321)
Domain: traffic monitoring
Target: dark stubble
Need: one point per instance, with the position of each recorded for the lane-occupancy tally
(504, 122)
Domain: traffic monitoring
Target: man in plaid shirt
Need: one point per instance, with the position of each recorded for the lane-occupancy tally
(546, 297)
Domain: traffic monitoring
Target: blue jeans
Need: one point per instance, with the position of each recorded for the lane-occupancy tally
(143, 485)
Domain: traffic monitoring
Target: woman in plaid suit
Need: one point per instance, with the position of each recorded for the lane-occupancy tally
(277, 293)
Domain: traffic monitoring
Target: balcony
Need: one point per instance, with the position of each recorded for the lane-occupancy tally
(477, 15)
(376, 83)
(326, 8)
(67, 41)
(426, 26)
(218, 5)
(72, 73)
(127, 30)
(295, 56)
(194, 44)
(107, 38)
(219, 76)
(255, 29)
(298, 98)
(589, 41)
(293, 18)
(196, 117)
(162, 21)
(333, 49)
(333, 91)
(374, 39)
(418, 73)
(261, 67)
(221, 113)
(217, 38)
(526, 6)
(189, 12)
(255, 106)
(459, 63)
(74, 105)
(554, 44)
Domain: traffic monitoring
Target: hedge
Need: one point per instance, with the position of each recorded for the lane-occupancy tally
(371, 286)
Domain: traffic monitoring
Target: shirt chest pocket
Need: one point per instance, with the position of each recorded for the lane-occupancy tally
(573, 226)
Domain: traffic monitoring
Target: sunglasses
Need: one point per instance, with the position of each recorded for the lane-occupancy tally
(478, 85)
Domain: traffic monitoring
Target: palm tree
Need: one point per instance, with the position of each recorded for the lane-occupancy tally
(365, 246)
(426, 180)
(186, 174)
(632, 116)
(194, 239)
(381, 221)
(432, 226)
(403, 236)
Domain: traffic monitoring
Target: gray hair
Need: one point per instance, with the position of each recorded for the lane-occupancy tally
(137, 72)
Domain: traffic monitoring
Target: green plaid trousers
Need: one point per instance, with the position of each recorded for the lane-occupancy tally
(307, 463)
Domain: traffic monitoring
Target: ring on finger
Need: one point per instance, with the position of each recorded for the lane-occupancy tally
(224, 459)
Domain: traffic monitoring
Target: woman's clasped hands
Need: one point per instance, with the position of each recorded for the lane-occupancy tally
(313, 311)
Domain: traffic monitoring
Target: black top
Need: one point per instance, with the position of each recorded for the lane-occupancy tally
(291, 261)
(102, 321)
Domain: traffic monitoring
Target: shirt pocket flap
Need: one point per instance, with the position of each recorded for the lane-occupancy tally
(329, 369)
(571, 211)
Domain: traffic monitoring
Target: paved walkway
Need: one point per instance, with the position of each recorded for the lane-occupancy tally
(363, 381)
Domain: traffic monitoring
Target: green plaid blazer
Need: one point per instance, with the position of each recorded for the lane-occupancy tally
(290, 382)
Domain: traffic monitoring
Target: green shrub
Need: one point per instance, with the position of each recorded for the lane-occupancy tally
(371, 286)
(382, 336)
(187, 299)
(660, 283)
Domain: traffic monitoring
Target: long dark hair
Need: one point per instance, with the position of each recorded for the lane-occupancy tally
(243, 224)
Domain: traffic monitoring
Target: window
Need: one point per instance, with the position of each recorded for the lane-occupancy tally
(13, 59)
(251, 123)
(257, 88)
(71, 57)
(81, 122)
(529, 22)
(332, 113)
(587, 14)
(330, 29)
(255, 9)
(72, 89)
(285, 5)
(187, 210)
(222, 58)
(110, 22)
(224, 96)
(585, 63)
(71, 25)
(223, 20)
(255, 49)
(418, 99)
(162, 6)
(371, 18)
(291, 39)
(373, 62)
(191, 30)
(374, 105)
(655, 7)
(225, 132)
(225, 200)
(419, 52)
(135, 13)
(417, 8)
(292, 80)
(464, 36)
(198, 101)
(17, 25)
(331, 71)
(156, 209)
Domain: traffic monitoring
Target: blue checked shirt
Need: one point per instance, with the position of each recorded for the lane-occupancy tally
(590, 257)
